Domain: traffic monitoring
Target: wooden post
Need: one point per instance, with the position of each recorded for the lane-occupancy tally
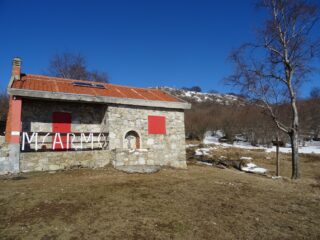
(277, 157)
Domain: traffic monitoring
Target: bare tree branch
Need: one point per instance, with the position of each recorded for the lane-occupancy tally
(73, 66)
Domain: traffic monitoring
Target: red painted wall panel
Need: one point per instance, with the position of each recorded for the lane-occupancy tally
(157, 125)
(61, 123)
(16, 105)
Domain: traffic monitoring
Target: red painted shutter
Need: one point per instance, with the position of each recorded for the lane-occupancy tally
(157, 125)
(61, 123)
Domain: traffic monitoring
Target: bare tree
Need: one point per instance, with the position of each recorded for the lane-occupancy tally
(4, 104)
(271, 70)
(73, 66)
(315, 93)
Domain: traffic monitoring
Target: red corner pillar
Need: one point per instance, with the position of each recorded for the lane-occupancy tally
(13, 132)
(16, 106)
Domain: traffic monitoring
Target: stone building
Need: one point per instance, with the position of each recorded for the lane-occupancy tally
(56, 123)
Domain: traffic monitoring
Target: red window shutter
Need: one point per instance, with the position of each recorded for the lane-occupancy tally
(61, 123)
(157, 125)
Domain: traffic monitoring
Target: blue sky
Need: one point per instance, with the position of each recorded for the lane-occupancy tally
(138, 43)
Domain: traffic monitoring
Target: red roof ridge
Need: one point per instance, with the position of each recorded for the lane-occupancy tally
(54, 84)
(45, 77)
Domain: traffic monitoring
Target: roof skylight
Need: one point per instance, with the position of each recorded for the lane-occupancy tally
(85, 84)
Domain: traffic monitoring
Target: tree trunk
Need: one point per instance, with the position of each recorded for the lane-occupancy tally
(294, 137)
(277, 157)
(294, 133)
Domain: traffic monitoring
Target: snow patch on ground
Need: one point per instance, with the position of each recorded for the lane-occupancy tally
(191, 145)
(203, 151)
(239, 145)
(252, 168)
(213, 138)
(210, 140)
(204, 163)
(305, 150)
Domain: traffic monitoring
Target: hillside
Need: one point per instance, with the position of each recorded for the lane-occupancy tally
(202, 97)
(235, 116)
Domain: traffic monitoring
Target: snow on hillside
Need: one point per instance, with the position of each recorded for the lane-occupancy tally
(225, 99)
(305, 150)
(309, 148)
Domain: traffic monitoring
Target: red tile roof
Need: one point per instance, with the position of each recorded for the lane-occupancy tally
(52, 84)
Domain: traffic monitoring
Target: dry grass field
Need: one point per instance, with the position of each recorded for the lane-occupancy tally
(202, 202)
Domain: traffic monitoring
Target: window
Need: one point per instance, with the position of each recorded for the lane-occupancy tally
(157, 125)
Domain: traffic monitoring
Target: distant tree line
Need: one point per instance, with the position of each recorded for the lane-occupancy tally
(4, 105)
(193, 89)
(251, 121)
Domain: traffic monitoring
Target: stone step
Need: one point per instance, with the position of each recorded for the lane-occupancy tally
(139, 168)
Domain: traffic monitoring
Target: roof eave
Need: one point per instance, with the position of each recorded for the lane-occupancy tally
(61, 96)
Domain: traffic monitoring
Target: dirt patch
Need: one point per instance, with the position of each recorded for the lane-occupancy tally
(46, 211)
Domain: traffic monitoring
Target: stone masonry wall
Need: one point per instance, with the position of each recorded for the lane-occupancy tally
(155, 149)
(51, 161)
(5, 164)
(37, 116)
(167, 149)
(126, 157)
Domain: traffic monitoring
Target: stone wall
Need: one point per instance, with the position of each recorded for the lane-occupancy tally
(2, 140)
(51, 161)
(155, 149)
(167, 149)
(130, 157)
(37, 115)
(5, 163)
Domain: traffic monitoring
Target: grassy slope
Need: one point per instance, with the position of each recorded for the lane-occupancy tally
(198, 203)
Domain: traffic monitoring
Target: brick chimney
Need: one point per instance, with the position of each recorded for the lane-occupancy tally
(16, 68)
